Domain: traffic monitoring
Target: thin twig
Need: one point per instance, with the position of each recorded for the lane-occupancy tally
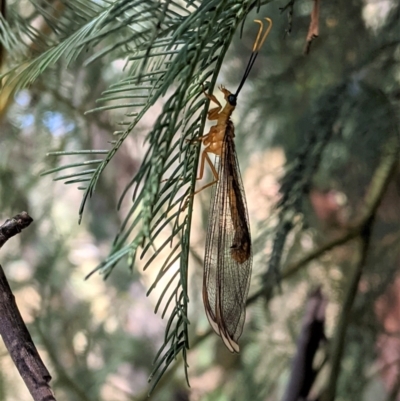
(372, 200)
(13, 330)
(338, 343)
(14, 226)
(289, 6)
(295, 267)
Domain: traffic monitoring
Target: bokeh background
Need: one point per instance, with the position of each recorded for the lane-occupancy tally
(99, 338)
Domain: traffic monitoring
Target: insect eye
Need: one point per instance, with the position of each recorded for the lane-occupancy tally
(232, 100)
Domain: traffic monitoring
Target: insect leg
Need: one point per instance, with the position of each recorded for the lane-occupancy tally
(204, 158)
(212, 113)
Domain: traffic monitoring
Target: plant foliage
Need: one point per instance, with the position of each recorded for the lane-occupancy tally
(171, 48)
(346, 144)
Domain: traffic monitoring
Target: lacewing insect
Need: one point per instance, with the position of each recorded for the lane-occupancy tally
(228, 255)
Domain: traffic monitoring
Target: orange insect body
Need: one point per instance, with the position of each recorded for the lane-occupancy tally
(228, 256)
(228, 259)
(216, 135)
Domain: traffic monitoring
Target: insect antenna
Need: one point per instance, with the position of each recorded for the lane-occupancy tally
(260, 39)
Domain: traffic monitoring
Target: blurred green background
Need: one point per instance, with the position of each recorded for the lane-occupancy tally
(99, 338)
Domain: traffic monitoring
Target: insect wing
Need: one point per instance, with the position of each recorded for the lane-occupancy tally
(228, 257)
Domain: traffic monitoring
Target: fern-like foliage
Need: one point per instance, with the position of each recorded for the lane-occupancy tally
(296, 183)
(171, 48)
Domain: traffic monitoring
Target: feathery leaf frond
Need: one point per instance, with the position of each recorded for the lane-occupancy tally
(170, 50)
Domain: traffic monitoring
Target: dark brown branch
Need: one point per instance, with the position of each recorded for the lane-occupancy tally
(303, 374)
(14, 226)
(13, 330)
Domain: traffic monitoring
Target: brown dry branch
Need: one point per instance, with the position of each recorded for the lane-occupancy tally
(13, 330)
(303, 374)
(14, 226)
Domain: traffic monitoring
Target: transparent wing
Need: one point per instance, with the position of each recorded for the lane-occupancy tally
(228, 257)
